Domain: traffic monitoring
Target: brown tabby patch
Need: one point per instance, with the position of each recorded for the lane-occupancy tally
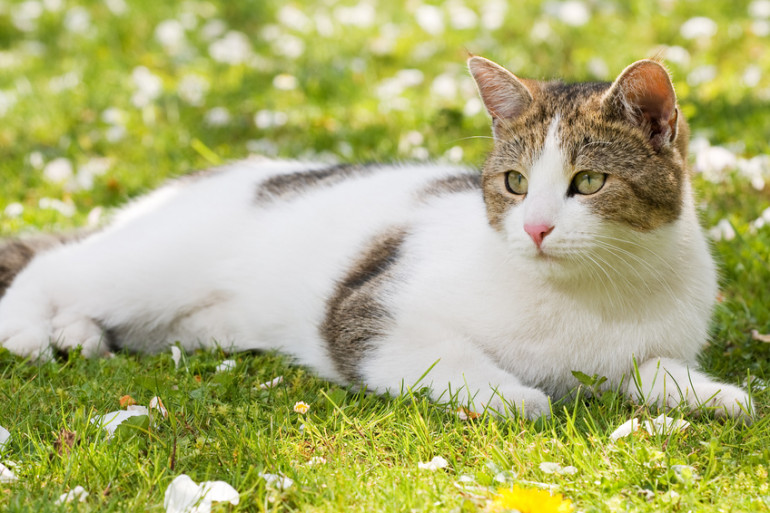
(289, 186)
(355, 316)
(451, 185)
(15, 254)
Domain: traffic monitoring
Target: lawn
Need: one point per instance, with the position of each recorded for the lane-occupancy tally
(101, 101)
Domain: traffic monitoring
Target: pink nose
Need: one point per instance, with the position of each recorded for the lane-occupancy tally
(538, 232)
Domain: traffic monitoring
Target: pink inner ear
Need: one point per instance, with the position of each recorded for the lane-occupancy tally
(649, 94)
(504, 96)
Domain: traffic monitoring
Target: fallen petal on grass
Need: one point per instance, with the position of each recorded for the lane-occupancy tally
(436, 463)
(760, 337)
(183, 495)
(176, 355)
(277, 481)
(5, 436)
(625, 429)
(157, 404)
(272, 383)
(110, 421)
(126, 400)
(78, 494)
(663, 424)
(226, 366)
(6, 475)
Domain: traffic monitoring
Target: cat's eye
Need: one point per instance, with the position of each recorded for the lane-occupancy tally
(515, 182)
(588, 182)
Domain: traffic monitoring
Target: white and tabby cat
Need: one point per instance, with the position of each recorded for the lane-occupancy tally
(576, 248)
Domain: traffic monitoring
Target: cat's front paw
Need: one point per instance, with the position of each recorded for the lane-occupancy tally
(520, 400)
(722, 399)
(32, 342)
(71, 330)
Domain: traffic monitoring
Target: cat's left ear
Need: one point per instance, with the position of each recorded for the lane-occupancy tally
(644, 95)
(504, 95)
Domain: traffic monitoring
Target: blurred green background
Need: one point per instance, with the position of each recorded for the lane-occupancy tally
(102, 100)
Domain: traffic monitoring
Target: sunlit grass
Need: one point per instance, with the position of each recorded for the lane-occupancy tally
(101, 101)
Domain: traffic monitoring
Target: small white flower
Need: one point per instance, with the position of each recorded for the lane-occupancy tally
(294, 18)
(193, 89)
(461, 17)
(272, 383)
(760, 9)
(550, 467)
(572, 12)
(285, 82)
(77, 20)
(698, 27)
(493, 14)
(176, 355)
(316, 460)
(170, 34)
(149, 86)
(6, 475)
(213, 29)
(436, 463)
(265, 119)
(78, 494)
(226, 366)
(277, 481)
(301, 407)
(5, 435)
(701, 75)
(454, 154)
(677, 55)
(13, 210)
(183, 495)
(117, 7)
(217, 116)
(59, 170)
(430, 18)
(67, 209)
(361, 15)
(234, 48)
(444, 86)
(722, 231)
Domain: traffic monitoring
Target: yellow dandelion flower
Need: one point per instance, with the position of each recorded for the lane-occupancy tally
(301, 407)
(525, 500)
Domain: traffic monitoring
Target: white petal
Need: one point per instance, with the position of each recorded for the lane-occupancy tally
(550, 467)
(272, 383)
(276, 481)
(219, 491)
(226, 365)
(78, 494)
(176, 355)
(434, 464)
(625, 429)
(569, 470)
(110, 421)
(5, 435)
(181, 495)
(157, 404)
(6, 476)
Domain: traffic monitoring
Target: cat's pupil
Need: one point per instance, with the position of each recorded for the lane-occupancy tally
(516, 183)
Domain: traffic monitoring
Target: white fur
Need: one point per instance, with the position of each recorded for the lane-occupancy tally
(201, 263)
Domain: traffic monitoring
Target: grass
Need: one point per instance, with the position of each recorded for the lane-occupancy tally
(310, 86)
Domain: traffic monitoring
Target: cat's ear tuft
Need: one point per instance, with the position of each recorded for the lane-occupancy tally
(504, 95)
(644, 95)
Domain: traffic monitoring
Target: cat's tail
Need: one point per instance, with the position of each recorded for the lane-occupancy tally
(17, 253)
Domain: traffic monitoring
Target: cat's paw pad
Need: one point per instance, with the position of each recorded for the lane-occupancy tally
(32, 343)
(526, 401)
(71, 330)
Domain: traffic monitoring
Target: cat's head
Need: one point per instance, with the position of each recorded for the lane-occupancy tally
(579, 167)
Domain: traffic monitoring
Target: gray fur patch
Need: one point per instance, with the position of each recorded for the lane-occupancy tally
(289, 186)
(355, 316)
(451, 185)
(17, 253)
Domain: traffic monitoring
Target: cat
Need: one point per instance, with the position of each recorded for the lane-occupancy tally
(576, 248)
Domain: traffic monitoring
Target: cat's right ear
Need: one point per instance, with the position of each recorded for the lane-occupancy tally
(504, 95)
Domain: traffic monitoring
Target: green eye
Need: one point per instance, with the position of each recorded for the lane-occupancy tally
(588, 182)
(515, 182)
